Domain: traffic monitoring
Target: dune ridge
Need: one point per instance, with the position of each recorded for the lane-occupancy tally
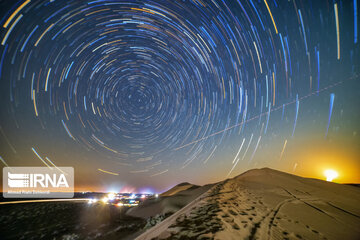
(266, 204)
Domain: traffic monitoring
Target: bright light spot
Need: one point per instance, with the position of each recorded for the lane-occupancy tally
(330, 174)
(156, 195)
(120, 204)
(93, 200)
(105, 200)
(111, 196)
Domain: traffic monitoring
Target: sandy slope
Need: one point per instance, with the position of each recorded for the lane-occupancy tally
(178, 188)
(168, 202)
(267, 204)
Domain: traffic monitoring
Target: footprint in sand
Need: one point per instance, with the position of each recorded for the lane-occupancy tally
(235, 226)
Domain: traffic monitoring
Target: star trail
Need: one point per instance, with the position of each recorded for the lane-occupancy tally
(160, 89)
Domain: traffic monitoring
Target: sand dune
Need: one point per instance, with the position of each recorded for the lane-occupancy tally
(266, 204)
(178, 188)
(169, 202)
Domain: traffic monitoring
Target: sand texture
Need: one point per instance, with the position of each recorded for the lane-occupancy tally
(266, 204)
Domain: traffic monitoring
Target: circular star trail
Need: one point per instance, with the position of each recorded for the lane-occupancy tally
(147, 82)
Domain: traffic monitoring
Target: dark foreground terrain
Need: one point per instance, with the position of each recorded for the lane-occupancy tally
(66, 220)
(258, 204)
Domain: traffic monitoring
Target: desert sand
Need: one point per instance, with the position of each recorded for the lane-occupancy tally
(263, 204)
(169, 202)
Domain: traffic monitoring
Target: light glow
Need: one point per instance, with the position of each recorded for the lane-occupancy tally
(92, 200)
(330, 175)
(111, 196)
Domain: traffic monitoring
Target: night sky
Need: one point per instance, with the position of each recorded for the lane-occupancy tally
(142, 95)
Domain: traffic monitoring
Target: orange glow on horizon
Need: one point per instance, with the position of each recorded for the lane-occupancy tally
(318, 163)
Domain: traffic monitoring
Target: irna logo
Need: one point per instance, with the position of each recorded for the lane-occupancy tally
(38, 182)
(16, 180)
